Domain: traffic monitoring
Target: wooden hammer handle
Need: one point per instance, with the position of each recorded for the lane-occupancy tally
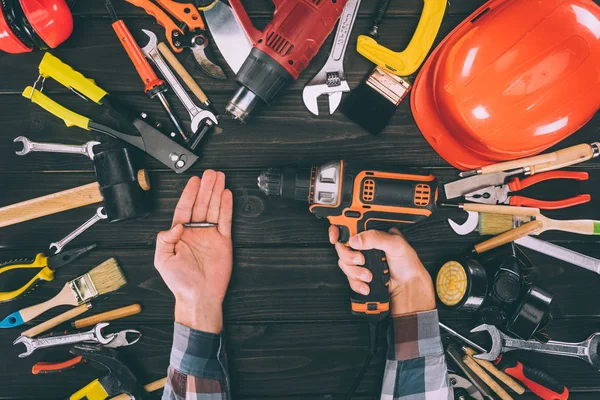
(501, 376)
(50, 204)
(108, 316)
(151, 387)
(509, 236)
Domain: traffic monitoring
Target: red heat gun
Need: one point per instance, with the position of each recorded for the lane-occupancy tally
(282, 50)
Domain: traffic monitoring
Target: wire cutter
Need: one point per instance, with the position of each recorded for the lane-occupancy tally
(193, 34)
(46, 265)
(131, 129)
(501, 194)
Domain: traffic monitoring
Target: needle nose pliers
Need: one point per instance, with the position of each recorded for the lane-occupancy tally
(501, 194)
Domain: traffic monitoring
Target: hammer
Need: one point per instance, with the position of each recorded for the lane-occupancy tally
(119, 379)
(122, 186)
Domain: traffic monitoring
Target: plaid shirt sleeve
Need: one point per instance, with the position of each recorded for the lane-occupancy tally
(198, 369)
(415, 367)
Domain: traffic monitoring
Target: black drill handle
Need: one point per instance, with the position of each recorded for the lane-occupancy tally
(380, 11)
(375, 305)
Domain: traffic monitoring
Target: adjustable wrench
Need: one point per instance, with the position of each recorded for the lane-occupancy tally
(94, 336)
(501, 343)
(331, 79)
(197, 114)
(30, 146)
(100, 215)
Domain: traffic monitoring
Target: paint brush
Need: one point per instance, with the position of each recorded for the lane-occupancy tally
(105, 278)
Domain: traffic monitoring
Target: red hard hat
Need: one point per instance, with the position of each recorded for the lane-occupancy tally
(29, 24)
(513, 79)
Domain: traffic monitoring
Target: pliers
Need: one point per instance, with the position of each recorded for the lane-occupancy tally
(46, 267)
(193, 37)
(501, 194)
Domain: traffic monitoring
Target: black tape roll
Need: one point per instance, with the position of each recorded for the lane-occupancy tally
(117, 175)
(530, 313)
(461, 285)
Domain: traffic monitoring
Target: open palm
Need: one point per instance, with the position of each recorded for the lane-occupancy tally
(196, 263)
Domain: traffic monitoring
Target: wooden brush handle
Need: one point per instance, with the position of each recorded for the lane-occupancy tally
(565, 157)
(151, 387)
(477, 370)
(501, 376)
(59, 319)
(506, 210)
(63, 298)
(50, 204)
(108, 316)
(509, 236)
(580, 226)
(521, 163)
(182, 72)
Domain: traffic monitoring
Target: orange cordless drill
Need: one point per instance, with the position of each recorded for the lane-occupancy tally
(356, 200)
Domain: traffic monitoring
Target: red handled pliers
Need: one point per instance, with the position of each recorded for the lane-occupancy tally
(501, 194)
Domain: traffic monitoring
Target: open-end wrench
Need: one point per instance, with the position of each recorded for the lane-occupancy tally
(197, 114)
(30, 146)
(502, 343)
(94, 336)
(331, 79)
(99, 215)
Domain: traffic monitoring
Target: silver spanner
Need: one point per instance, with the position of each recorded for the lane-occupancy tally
(98, 216)
(93, 336)
(30, 146)
(197, 114)
(331, 79)
(501, 343)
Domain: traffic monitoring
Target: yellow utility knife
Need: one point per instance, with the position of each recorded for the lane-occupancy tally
(404, 63)
(46, 267)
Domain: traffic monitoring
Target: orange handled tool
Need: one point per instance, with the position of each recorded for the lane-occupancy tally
(140, 63)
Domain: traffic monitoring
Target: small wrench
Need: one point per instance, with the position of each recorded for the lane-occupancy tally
(501, 343)
(331, 79)
(100, 215)
(30, 146)
(94, 336)
(197, 114)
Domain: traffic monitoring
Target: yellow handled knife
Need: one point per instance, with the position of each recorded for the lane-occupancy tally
(46, 267)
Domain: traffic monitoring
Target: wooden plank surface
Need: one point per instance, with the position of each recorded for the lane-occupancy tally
(289, 331)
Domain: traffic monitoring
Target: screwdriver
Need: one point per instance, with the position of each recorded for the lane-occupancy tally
(155, 87)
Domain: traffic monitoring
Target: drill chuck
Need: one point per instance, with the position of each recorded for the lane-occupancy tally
(288, 183)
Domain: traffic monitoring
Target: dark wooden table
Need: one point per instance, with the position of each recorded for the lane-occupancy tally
(289, 331)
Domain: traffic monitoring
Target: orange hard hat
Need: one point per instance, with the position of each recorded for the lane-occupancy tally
(513, 79)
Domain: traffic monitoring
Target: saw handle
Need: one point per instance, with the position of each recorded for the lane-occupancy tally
(375, 305)
(50, 204)
(406, 62)
(45, 274)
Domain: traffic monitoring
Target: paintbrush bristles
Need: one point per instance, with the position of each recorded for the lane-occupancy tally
(107, 277)
(494, 224)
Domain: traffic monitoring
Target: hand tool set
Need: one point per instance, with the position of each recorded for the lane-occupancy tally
(477, 105)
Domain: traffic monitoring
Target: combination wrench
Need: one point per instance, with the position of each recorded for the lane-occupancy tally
(501, 343)
(94, 336)
(331, 79)
(197, 114)
(98, 216)
(30, 146)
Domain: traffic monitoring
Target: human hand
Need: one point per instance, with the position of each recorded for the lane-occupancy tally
(411, 287)
(196, 263)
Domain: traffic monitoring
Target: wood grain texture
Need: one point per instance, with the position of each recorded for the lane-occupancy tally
(289, 331)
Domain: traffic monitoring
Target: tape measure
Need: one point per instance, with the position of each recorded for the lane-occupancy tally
(461, 285)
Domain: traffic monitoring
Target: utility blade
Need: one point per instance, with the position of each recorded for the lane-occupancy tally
(228, 34)
(209, 67)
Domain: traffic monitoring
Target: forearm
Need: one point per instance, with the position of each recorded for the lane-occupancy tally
(415, 361)
(198, 367)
